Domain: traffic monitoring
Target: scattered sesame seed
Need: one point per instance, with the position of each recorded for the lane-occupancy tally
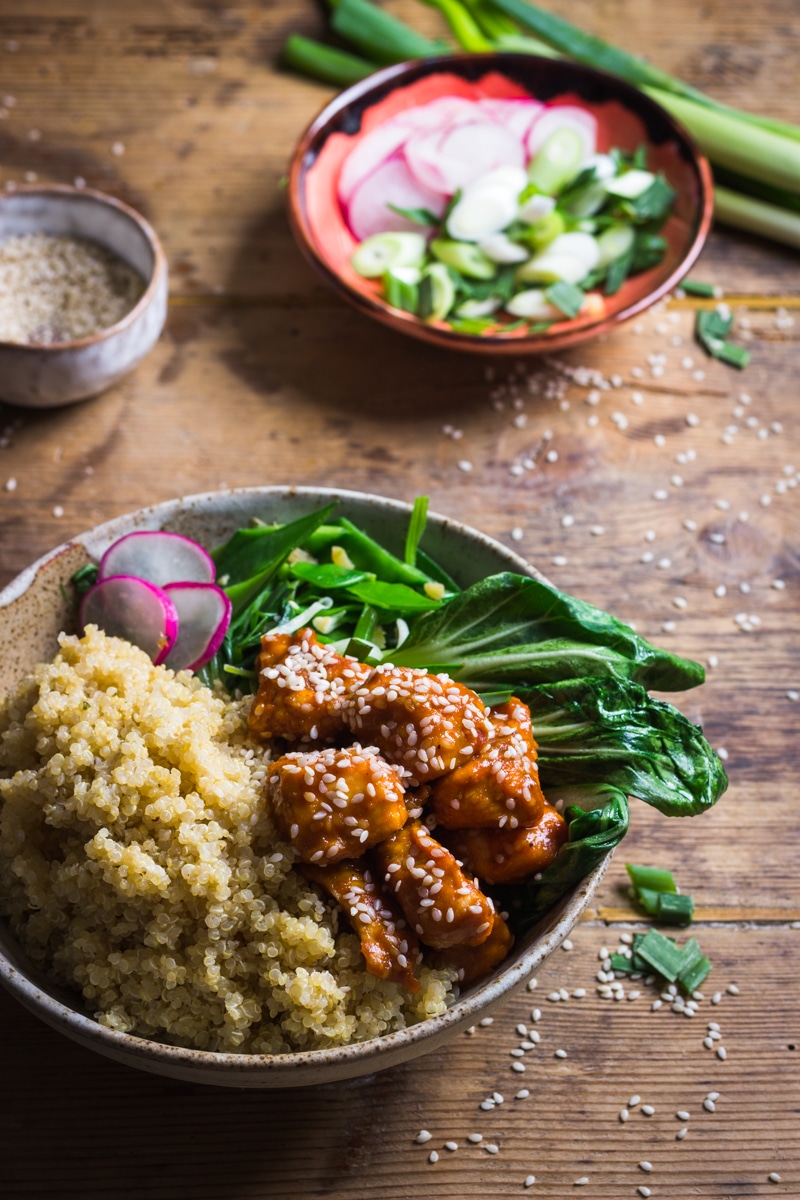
(709, 1105)
(722, 1053)
(11, 485)
(486, 1021)
(722, 753)
(567, 520)
(560, 560)
(474, 1138)
(522, 1094)
(423, 1136)
(567, 944)
(518, 1067)
(433, 1157)
(560, 1054)
(623, 1115)
(774, 1177)
(597, 530)
(664, 564)
(643, 1190)
(692, 419)
(532, 984)
(793, 695)
(644, 1165)
(732, 989)
(492, 1148)
(683, 1115)
(530, 1180)
(58, 511)
(681, 1134)
(660, 440)
(551, 456)
(118, 149)
(680, 601)
(660, 494)
(466, 465)
(778, 584)
(690, 525)
(584, 1179)
(647, 1110)
(720, 590)
(634, 1100)
(517, 534)
(451, 1146)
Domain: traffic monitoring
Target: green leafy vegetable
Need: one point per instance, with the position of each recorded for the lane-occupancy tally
(712, 329)
(661, 954)
(504, 612)
(592, 835)
(611, 729)
(566, 297)
(416, 528)
(654, 878)
(420, 216)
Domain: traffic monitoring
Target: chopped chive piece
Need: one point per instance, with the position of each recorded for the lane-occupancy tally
(651, 877)
(364, 651)
(472, 325)
(566, 297)
(365, 624)
(84, 578)
(695, 966)
(661, 953)
(399, 292)
(649, 900)
(416, 528)
(695, 287)
(674, 909)
(711, 330)
(420, 216)
(620, 963)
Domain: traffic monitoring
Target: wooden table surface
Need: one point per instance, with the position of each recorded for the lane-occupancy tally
(680, 476)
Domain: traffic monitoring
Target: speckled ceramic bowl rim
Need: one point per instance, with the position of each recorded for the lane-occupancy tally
(477, 1001)
(153, 282)
(401, 73)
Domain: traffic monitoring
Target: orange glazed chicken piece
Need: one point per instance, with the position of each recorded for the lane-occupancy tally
(427, 723)
(302, 686)
(333, 804)
(442, 904)
(473, 962)
(506, 856)
(391, 951)
(498, 788)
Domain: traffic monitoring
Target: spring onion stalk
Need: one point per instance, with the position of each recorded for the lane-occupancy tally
(655, 878)
(324, 62)
(466, 29)
(380, 36)
(759, 153)
(492, 23)
(756, 216)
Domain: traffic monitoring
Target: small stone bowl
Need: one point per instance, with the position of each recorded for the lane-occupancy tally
(35, 375)
(34, 607)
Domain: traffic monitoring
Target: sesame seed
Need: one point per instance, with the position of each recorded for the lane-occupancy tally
(690, 525)
(551, 456)
(647, 1110)
(644, 1165)
(423, 1136)
(465, 465)
(709, 1105)
(584, 1179)
(522, 1094)
(732, 989)
(643, 1190)
(660, 494)
(692, 419)
(518, 1067)
(560, 1054)
(486, 1021)
(11, 485)
(774, 1177)
(58, 511)
(451, 1146)
(559, 560)
(634, 1100)
(597, 530)
(720, 591)
(530, 1180)
(722, 1053)
(532, 985)
(474, 1138)
(433, 1157)
(793, 696)
(623, 1115)
(517, 534)
(567, 520)
(492, 1148)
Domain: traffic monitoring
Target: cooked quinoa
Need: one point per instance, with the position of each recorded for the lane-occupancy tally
(138, 865)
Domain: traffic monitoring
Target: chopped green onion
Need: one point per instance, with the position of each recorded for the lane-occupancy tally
(566, 297)
(618, 271)
(84, 578)
(712, 329)
(400, 291)
(324, 62)
(661, 953)
(416, 528)
(651, 877)
(674, 909)
(694, 287)
(695, 966)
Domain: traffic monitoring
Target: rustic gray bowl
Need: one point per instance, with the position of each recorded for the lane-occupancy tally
(33, 611)
(43, 376)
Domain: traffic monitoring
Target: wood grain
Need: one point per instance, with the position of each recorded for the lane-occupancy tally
(262, 376)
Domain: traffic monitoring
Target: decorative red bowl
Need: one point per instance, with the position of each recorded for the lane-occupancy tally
(627, 119)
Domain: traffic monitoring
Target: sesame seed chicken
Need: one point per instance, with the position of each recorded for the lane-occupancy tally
(302, 687)
(499, 787)
(333, 804)
(507, 856)
(441, 903)
(390, 949)
(427, 723)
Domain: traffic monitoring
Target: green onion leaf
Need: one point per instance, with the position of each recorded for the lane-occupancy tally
(661, 954)
(674, 909)
(651, 877)
(420, 216)
(324, 62)
(416, 528)
(379, 35)
(694, 287)
(711, 329)
(695, 966)
(566, 297)
(617, 272)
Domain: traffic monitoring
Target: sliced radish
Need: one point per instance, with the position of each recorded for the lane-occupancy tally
(517, 115)
(372, 150)
(391, 183)
(204, 613)
(446, 110)
(500, 249)
(134, 609)
(452, 160)
(564, 116)
(158, 557)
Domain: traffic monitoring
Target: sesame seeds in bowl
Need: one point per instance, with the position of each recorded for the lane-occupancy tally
(34, 608)
(89, 279)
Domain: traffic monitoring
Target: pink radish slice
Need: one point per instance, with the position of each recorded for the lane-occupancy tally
(437, 114)
(557, 116)
(462, 154)
(392, 183)
(204, 613)
(158, 557)
(131, 608)
(516, 115)
(373, 149)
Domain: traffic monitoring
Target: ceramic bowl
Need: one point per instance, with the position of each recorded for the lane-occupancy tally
(44, 376)
(627, 119)
(33, 611)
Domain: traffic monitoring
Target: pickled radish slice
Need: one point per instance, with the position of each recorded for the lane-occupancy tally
(158, 557)
(564, 116)
(392, 183)
(204, 613)
(374, 149)
(127, 607)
